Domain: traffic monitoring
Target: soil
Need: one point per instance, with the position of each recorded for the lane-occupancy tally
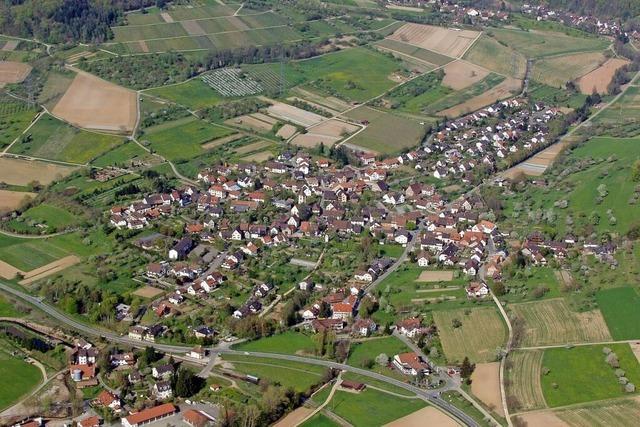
(446, 41)
(461, 74)
(428, 416)
(13, 72)
(485, 384)
(435, 276)
(12, 200)
(22, 172)
(600, 77)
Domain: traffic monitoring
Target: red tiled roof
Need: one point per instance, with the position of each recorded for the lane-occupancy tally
(90, 422)
(195, 418)
(106, 398)
(151, 413)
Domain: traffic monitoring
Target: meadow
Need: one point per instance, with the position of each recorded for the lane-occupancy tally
(53, 139)
(22, 377)
(287, 343)
(121, 155)
(361, 352)
(619, 412)
(481, 333)
(490, 54)
(193, 94)
(536, 44)
(15, 116)
(582, 375)
(371, 407)
(522, 380)
(555, 72)
(428, 56)
(627, 108)
(54, 217)
(182, 139)
(8, 308)
(458, 97)
(521, 286)
(319, 420)
(620, 308)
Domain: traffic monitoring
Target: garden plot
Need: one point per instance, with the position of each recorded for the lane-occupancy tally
(435, 276)
(293, 114)
(447, 41)
(94, 103)
(461, 74)
(231, 82)
(13, 72)
(600, 78)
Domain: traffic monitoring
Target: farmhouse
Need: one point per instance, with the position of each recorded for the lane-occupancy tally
(410, 364)
(477, 290)
(149, 415)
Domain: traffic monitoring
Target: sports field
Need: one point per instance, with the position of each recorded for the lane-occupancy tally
(482, 332)
(22, 377)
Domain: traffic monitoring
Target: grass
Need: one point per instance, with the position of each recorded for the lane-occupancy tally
(371, 407)
(459, 97)
(287, 343)
(15, 116)
(21, 375)
(582, 375)
(54, 217)
(466, 340)
(539, 92)
(193, 94)
(621, 412)
(492, 55)
(554, 71)
(535, 44)
(522, 284)
(53, 139)
(121, 155)
(522, 382)
(376, 383)
(7, 308)
(621, 310)
(319, 420)
(627, 108)
(182, 139)
(370, 349)
(429, 56)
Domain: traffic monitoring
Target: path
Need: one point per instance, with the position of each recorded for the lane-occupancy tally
(37, 236)
(7, 412)
(335, 387)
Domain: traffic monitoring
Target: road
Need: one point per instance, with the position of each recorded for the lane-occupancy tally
(431, 396)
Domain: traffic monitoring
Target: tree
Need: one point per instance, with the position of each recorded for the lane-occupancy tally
(635, 171)
(499, 289)
(149, 355)
(456, 323)
(382, 359)
(467, 368)
(187, 384)
(612, 360)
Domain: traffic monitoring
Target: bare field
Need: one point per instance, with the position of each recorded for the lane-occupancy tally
(94, 103)
(221, 141)
(10, 45)
(446, 41)
(310, 140)
(435, 276)
(166, 17)
(22, 172)
(427, 416)
(8, 271)
(316, 105)
(13, 72)
(294, 418)
(258, 157)
(293, 114)
(522, 382)
(461, 74)
(255, 146)
(542, 418)
(330, 102)
(49, 269)
(506, 89)
(148, 292)
(334, 127)
(482, 331)
(601, 76)
(552, 322)
(485, 385)
(635, 348)
(250, 122)
(286, 131)
(12, 200)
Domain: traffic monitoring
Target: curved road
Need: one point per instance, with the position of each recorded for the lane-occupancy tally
(432, 397)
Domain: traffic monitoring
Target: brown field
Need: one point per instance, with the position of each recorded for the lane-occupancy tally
(601, 76)
(635, 348)
(310, 140)
(536, 165)
(435, 276)
(250, 122)
(522, 380)
(427, 416)
(264, 118)
(49, 269)
(287, 131)
(8, 271)
(404, 8)
(221, 141)
(167, 18)
(334, 127)
(331, 102)
(541, 418)
(482, 331)
(293, 114)
(13, 72)
(316, 105)
(613, 413)
(295, 418)
(11, 45)
(193, 28)
(258, 157)
(22, 172)
(506, 89)
(555, 72)
(552, 322)
(255, 146)
(485, 385)
(94, 103)
(461, 74)
(143, 46)
(12, 200)
(148, 292)
(446, 41)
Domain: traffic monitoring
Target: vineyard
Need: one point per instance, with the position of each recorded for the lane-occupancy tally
(232, 82)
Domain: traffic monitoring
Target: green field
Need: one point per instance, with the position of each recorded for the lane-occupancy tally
(521, 285)
(370, 349)
(416, 96)
(429, 56)
(627, 108)
(582, 375)
(52, 139)
(319, 420)
(490, 54)
(555, 72)
(21, 376)
(8, 309)
(193, 94)
(621, 310)
(121, 155)
(286, 343)
(535, 44)
(54, 217)
(15, 116)
(539, 92)
(182, 139)
(458, 97)
(371, 407)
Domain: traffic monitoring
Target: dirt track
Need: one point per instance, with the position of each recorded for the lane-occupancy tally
(49, 269)
(94, 103)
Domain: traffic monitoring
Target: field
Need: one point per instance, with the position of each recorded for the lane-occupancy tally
(232, 82)
(94, 103)
(582, 375)
(620, 412)
(53, 216)
(182, 139)
(522, 285)
(536, 44)
(552, 322)
(148, 292)
(293, 114)
(122, 155)
(435, 276)
(485, 385)
(50, 138)
(371, 407)
(461, 74)
(193, 94)
(383, 128)
(13, 72)
(328, 132)
(15, 116)
(22, 172)
(474, 97)
(432, 59)
(620, 308)
(522, 380)
(22, 377)
(370, 349)
(12, 200)
(319, 420)
(425, 416)
(555, 72)
(481, 333)
(286, 343)
(627, 108)
(490, 54)
(600, 78)
(453, 43)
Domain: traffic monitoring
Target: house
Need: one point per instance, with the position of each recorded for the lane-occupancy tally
(149, 415)
(162, 390)
(93, 421)
(341, 310)
(410, 364)
(82, 372)
(162, 371)
(181, 249)
(134, 377)
(196, 418)
(197, 353)
(122, 359)
(477, 290)
(321, 325)
(204, 332)
(364, 327)
(409, 327)
(352, 385)
(108, 400)
(423, 259)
